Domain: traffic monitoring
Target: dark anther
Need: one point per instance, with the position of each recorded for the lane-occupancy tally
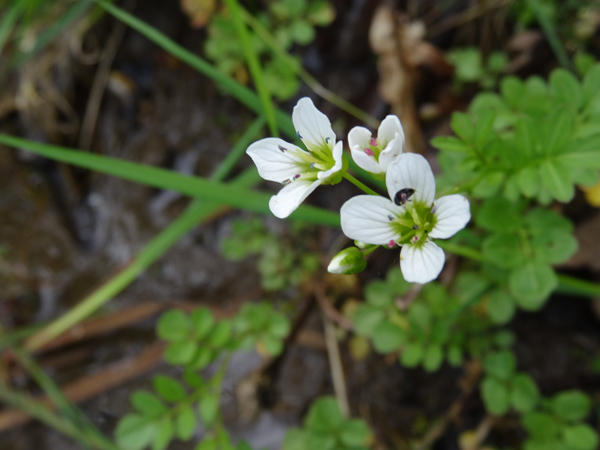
(281, 148)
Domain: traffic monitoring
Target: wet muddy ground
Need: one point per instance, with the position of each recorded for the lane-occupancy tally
(64, 231)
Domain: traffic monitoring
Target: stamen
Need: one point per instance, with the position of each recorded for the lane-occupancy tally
(286, 182)
(327, 139)
(369, 152)
(391, 244)
(390, 218)
(414, 239)
(433, 209)
(373, 142)
(415, 227)
(298, 134)
(296, 176)
(312, 165)
(281, 148)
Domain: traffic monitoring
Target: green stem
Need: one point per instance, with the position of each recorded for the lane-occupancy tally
(551, 35)
(266, 36)
(253, 65)
(358, 184)
(575, 286)
(461, 250)
(38, 411)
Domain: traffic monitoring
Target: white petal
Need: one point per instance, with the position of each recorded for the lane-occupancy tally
(365, 218)
(291, 196)
(313, 126)
(452, 213)
(337, 157)
(421, 264)
(365, 161)
(359, 136)
(412, 171)
(393, 149)
(272, 163)
(389, 129)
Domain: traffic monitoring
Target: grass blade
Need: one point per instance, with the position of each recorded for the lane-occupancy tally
(240, 92)
(219, 193)
(253, 65)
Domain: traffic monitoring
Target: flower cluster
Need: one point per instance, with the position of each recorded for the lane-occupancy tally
(411, 218)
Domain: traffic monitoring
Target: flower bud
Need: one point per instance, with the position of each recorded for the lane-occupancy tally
(348, 261)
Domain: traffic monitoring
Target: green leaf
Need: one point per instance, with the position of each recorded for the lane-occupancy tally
(433, 357)
(581, 437)
(377, 293)
(504, 250)
(202, 321)
(555, 177)
(455, 356)
(566, 89)
(528, 181)
(494, 395)
(513, 91)
(220, 334)
(450, 144)
(525, 139)
(412, 354)
(203, 357)
(388, 337)
(355, 433)
(324, 416)
(500, 364)
(524, 394)
(541, 426)
(173, 325)
(168, 388)
(147, 404)
(185, 423)
(483, 129)
(419, 316)
(295, 439)
(180, 352)
(272, 344)
(208, 407)
(325, 441)
(164, 435)
(302, 32)
(366, 319)
(499, 214)
(532, 284)
(571, 405)
(501, 307)
(135, 432)
(462, 126)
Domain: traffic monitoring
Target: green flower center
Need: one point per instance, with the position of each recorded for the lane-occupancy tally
(314, 160)
(414, 224)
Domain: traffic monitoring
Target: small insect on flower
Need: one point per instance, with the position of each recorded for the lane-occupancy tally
(403, 195)
(411, 218)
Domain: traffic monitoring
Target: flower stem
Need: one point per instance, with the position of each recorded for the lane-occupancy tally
(359, 185)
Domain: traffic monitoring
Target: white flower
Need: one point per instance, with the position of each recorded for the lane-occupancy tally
(300, 171)
(412, 218)
(375, 154)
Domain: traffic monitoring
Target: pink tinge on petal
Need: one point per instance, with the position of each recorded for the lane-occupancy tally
(369, 152)
(391, 244)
